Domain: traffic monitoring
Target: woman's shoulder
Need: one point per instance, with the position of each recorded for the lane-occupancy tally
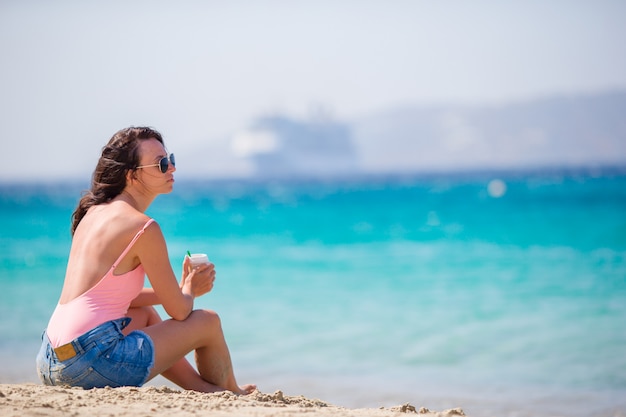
(136, 221)
(120, 218)
(105, 232)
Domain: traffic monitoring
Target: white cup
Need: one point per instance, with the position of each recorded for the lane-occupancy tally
(198, 259)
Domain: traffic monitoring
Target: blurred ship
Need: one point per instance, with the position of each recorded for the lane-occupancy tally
(279, 146)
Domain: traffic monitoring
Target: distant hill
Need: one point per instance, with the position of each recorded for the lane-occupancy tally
(562, 131)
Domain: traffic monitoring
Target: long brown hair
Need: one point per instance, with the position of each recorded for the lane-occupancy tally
(118, 157)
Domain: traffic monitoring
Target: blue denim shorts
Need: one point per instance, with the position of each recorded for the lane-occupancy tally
(101, 357)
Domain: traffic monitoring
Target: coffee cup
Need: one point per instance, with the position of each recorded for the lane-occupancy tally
(198, 259)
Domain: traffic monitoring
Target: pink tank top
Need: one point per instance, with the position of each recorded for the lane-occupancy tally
(108, 300)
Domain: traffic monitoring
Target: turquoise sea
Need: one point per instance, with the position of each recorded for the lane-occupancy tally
(504, 298)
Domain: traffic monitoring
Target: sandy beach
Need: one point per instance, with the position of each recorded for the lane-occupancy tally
(38, 400)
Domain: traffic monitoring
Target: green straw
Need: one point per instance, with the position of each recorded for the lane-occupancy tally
(189, 254)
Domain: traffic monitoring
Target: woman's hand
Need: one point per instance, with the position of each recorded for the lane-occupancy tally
(199, 280)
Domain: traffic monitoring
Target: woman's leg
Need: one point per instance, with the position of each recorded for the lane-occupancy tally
(181, 373)
(173, 339)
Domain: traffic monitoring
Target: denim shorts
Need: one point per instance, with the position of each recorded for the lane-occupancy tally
(101, 357)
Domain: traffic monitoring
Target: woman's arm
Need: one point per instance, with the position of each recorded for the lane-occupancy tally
(177, 300)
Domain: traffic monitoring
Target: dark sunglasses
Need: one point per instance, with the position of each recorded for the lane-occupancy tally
(164, 163)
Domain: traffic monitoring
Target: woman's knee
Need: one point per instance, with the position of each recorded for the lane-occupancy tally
(208, 318)
(142, 317)
(153, 315)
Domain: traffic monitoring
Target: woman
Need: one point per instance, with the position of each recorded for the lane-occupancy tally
(105, 330)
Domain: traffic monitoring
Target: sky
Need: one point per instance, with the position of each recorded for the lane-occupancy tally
(74, 72)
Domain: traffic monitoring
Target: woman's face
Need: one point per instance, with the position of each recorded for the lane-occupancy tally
(151, 152)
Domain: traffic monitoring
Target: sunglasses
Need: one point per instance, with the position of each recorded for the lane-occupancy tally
(164, 163)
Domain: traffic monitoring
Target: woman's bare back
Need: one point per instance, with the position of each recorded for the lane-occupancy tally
(99, 240)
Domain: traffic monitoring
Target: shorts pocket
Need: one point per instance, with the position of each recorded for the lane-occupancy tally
(78, 371)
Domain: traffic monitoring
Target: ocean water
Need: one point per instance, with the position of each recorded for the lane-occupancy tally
(500, 293)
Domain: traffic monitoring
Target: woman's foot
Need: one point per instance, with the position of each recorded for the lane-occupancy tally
(246, 389)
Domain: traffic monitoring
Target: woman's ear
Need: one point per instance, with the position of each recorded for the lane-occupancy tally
(131, 175)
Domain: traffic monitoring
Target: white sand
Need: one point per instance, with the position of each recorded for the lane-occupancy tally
(39, 400)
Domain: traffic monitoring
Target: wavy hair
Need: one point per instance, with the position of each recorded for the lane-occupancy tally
(118, 157)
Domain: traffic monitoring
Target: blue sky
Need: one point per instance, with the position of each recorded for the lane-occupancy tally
(74, 72)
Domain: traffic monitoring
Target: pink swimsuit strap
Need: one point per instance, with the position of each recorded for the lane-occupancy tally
(132, 242)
